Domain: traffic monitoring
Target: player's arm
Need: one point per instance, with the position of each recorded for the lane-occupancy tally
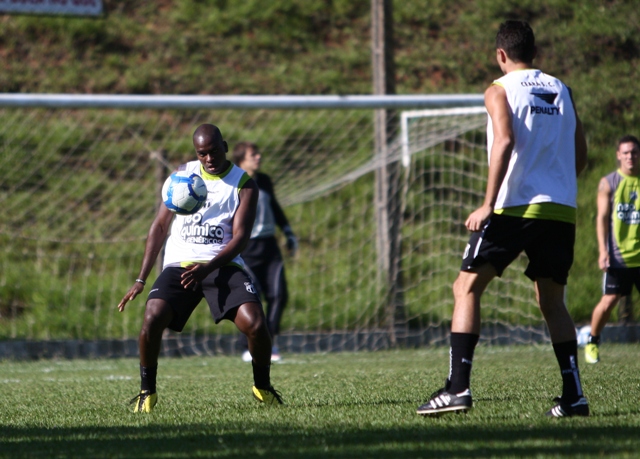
(242, 225)
(155, 240)
(278, 213)
(602, 222)
(281, 218)
(495, 99)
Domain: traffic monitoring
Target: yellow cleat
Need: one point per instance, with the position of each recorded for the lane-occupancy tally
(144, 402)
(591, 353)
(268, 396)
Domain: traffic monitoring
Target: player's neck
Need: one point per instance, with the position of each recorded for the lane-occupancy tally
(516, 66)
(219, 170)
(251, 172)
(630, 172)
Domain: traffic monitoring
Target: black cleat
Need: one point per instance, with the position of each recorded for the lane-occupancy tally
(563, 410)
(446, 402)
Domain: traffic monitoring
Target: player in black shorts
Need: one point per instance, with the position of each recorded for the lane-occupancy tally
(536, 149)
(203, 267)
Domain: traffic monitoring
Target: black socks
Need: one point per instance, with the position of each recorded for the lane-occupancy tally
(567, 355)
(148, 378)
(461, 359)
(261, 375)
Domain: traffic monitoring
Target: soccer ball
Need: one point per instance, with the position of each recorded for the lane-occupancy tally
(583, 335)
(184, 192)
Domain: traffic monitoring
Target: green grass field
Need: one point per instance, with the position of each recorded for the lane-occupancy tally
(338, 405)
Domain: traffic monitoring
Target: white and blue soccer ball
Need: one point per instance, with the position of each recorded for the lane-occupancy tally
(184, 192)
(583, 335)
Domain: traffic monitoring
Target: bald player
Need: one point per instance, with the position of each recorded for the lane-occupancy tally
(202, 260)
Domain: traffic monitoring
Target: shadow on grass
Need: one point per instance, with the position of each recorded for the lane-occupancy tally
(560, 438)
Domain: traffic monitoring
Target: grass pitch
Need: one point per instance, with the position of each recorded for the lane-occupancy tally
(338, 405)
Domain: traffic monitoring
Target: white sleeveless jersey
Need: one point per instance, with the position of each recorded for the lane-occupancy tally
(201, 236)
(542, 166)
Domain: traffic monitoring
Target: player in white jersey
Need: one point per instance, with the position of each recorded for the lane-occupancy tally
(536, 149)
(202, 260)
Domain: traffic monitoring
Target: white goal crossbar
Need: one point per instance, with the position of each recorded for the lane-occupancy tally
(240, 102)
(410, 114)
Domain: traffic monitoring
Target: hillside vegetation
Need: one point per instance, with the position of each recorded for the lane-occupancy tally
(323, 47)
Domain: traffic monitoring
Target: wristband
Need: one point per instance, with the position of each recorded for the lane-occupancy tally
(141, 281)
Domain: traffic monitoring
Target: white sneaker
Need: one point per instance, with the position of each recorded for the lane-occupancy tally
(275, 354)
(246, 356)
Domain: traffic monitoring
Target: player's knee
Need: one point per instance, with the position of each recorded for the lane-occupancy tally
(156, 318)
(256, 330)
(251, 320)
(552, 308)
(460, 288)
(610, 301)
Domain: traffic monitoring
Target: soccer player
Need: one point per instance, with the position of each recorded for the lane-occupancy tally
(618, 231)
(202, 260)
(536, 149)
(262, 254)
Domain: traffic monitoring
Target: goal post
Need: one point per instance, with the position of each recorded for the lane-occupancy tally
(79, 189)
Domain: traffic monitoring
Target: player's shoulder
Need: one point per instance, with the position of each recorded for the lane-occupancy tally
(494, 88)
(263, 177)
(612, 175)
(247, 182)
(263, 180)
(554, 81)
(495, 98)
(609, 182)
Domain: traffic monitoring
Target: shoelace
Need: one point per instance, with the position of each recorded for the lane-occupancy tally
(276, 394)
(438, 392)
(140, 397)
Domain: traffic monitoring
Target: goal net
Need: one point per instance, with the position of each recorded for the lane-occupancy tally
(445, 165)
(80, 186)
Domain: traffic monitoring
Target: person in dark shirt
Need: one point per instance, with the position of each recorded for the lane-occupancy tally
(262, 255)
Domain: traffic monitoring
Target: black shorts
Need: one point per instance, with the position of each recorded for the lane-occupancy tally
(547, 243)
(620, 281)
(225, 289)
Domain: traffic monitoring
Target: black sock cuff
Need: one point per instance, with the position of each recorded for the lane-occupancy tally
(261, 375)
(148, 378)
(464, 340)
(569, 347)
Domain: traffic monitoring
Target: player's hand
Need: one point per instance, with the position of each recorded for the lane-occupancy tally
(194, 273)
(478, 218)
(134, 291)
(292, 244)
(603, 261)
